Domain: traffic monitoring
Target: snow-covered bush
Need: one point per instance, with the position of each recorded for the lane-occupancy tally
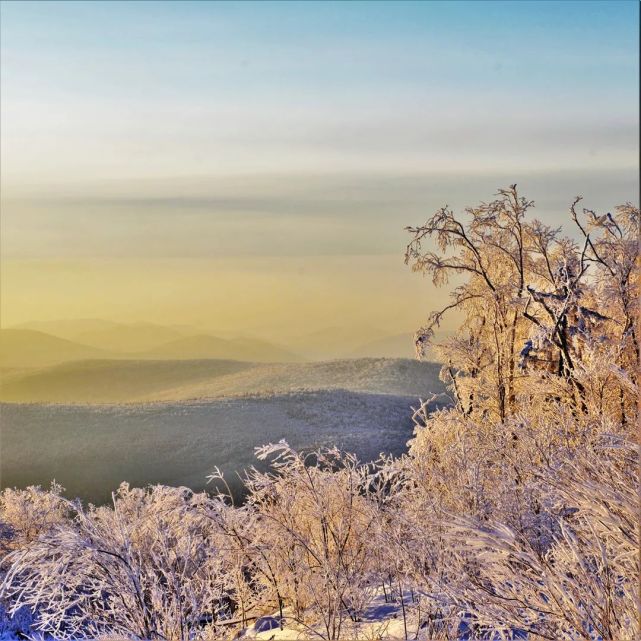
(317, 529)
(26, 514)
(150, 566)
(584, 585)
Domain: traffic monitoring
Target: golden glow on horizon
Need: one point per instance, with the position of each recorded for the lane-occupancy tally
(265, 296)
(251, 167)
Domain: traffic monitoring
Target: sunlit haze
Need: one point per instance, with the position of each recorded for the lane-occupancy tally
(251, 167)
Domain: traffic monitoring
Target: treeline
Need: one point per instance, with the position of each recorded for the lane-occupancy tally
(515, 510)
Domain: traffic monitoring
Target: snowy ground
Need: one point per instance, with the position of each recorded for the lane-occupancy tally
(382, 620)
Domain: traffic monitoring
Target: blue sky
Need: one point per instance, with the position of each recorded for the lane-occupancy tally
(267, 85)
(172, 130)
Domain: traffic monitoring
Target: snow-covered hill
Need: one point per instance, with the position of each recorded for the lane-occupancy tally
(122, 381)
(90, 449)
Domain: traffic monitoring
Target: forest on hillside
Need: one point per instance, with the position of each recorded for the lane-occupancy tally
(514, 513)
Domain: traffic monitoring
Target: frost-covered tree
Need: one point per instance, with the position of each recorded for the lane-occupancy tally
(544, 361)
(534, 302)
(532, 513)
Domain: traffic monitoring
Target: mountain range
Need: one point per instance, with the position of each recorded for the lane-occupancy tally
(41, 344)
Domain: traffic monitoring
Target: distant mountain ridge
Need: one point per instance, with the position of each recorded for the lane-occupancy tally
(68, 328)
(398, 346)
(206, 346)
(44, 343)
(130, 338)
(24, 348)
(30, 348)
(335, 342)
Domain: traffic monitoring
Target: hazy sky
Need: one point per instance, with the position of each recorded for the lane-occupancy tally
(253, 165)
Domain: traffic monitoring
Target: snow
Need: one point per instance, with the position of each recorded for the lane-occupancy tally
(381, 619)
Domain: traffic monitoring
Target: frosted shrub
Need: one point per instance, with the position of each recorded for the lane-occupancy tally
(26, 514)
(584, 585)
(317, 529)
(150, 566)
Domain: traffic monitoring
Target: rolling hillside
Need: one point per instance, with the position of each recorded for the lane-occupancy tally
(105, 437)
(401, 377)
(128, 381)
(110, 381)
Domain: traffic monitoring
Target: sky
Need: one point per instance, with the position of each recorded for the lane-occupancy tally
(252, 166)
